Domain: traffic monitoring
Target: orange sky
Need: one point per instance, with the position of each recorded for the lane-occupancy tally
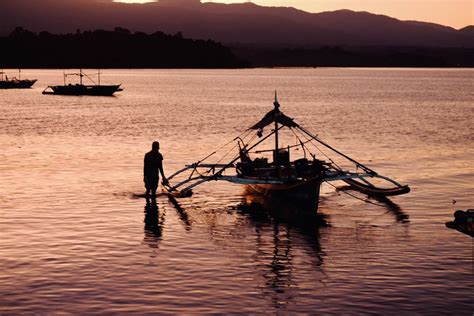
(455, 13)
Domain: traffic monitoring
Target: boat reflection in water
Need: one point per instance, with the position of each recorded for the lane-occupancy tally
(383, 201)
(290, 236)
(394, 209)
(298, 212)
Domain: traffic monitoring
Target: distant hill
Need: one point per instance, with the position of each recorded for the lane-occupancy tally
(468, 31)
(243, 23)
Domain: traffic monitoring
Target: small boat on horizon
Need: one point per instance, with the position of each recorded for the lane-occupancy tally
(15, 83)
(275, 175)
(95, 89)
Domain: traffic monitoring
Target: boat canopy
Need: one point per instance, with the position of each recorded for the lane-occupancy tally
(273, 115)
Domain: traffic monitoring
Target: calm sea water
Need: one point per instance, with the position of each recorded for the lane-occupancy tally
(74, 237)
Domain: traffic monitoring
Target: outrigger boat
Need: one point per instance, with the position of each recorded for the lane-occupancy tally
(81, 89)
(299, 180)
(15, 83)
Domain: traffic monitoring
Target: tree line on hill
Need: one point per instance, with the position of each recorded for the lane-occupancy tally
(351, 56)
(119, 48)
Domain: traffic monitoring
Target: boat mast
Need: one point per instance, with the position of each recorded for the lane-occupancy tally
(276, 113)
(80, 75)
(98, 74)
(19, 74)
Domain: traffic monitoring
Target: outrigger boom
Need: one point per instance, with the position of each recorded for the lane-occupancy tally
(299, 179)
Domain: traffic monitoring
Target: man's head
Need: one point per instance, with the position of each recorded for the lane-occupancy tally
(155, 146)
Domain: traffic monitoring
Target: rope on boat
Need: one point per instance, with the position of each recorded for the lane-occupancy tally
(212, 169)
(246, 133)
(216, 175)
(363, 167)
(232, 149)
(336, 166)
(301, 143)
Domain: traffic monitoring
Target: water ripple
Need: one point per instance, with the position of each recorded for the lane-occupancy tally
(77, 237)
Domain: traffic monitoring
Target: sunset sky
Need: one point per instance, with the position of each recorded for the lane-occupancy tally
(455, 13)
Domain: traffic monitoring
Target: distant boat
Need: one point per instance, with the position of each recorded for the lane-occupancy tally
(82, 89)
(15, 83)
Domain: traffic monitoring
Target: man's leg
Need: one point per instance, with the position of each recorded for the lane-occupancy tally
(154, 187)
(153, 196)
(147, 195)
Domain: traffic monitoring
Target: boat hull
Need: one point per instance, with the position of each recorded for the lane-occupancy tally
(303, 194)
(17, 84)
(93, 90)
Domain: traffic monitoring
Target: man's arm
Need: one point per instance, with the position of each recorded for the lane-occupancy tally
(144, 168)
(160, 167)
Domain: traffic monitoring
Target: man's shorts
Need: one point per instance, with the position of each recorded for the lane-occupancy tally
(151, 183)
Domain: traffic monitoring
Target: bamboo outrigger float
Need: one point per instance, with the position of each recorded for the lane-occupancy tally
(299, 180)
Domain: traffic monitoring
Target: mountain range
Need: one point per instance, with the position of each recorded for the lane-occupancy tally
(232, 24)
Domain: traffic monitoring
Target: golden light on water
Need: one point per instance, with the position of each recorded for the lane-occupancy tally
(75, 231)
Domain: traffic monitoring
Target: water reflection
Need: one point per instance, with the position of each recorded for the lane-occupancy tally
(183, 215)
(283, 210)
(394, 209)
(154, 222)
(289, 238)
(279, 276)
(384, 201)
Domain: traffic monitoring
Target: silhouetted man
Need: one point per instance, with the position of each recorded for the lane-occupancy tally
(153, 164)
